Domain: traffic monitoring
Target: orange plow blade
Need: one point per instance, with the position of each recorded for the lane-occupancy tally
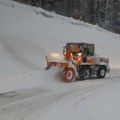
(53, 63)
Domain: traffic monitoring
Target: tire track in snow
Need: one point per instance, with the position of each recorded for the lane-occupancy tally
(36, 106)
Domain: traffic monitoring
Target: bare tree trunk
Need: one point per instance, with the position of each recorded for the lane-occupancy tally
(106, 13)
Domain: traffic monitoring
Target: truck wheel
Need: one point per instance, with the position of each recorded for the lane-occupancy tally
(101, 72)
(86, 73)
(69, 74)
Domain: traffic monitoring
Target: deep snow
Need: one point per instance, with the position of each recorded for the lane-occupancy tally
(27, 35)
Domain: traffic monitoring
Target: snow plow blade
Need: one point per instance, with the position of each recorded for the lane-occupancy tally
(52, 63)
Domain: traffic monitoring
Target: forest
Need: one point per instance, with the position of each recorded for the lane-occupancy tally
(104, 13)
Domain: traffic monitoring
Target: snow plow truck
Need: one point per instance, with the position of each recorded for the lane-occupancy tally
(80, 62)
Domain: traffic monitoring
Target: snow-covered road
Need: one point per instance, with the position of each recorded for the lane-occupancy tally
(83, 101)
(28, 92)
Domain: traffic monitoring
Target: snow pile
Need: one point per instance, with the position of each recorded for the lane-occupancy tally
(28, 34)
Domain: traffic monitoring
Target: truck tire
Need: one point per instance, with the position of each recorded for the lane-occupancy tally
(69, 75)
(101, 72)
(85, 74)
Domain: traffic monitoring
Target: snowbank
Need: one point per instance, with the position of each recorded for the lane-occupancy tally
(28, 34)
